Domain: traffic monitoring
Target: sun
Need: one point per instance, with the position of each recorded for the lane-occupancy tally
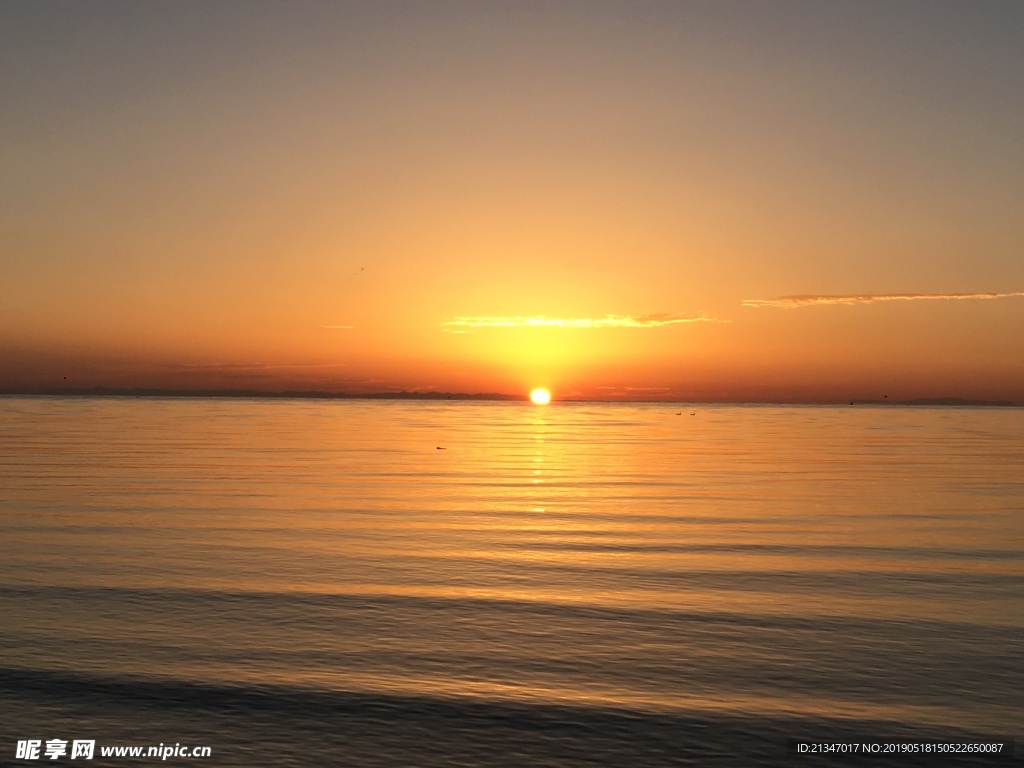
(540, 396)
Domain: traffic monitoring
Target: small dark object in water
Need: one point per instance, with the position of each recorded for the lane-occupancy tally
(441, 449)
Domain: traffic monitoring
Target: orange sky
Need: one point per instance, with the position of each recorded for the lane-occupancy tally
(368, 197)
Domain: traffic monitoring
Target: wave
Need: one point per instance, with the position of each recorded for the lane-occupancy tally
(294, 726)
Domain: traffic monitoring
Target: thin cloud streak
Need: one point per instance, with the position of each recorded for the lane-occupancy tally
(458, 324)
(243, 366)
(793, 302)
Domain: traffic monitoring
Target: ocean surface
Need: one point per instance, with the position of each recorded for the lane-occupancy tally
(416, 583)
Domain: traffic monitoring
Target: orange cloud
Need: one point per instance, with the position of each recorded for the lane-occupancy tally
(459, 324)
(245, 367)
(792, 302)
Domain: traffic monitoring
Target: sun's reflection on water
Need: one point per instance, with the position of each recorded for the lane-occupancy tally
(577, 551)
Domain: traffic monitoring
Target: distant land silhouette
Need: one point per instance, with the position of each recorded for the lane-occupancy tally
(936, 401)
(256, 393)
(430, 395)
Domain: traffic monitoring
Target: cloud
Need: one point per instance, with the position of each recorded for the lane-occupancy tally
(244, 367)
(792, 302)
(459, 324)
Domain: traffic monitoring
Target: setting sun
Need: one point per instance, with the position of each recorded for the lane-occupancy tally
(277, 275)
(540, 396)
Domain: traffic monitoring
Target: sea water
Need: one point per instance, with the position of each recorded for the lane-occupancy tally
(420, 583)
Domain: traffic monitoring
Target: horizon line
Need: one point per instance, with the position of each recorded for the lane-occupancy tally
(157, 392)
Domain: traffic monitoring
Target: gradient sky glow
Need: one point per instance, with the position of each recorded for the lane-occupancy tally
(652, 200)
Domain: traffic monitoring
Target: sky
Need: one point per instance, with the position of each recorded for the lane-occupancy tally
(698, 201)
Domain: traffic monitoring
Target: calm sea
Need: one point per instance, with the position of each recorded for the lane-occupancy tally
(356, 583)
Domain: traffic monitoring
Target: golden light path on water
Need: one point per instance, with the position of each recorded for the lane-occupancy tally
(628, 555)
